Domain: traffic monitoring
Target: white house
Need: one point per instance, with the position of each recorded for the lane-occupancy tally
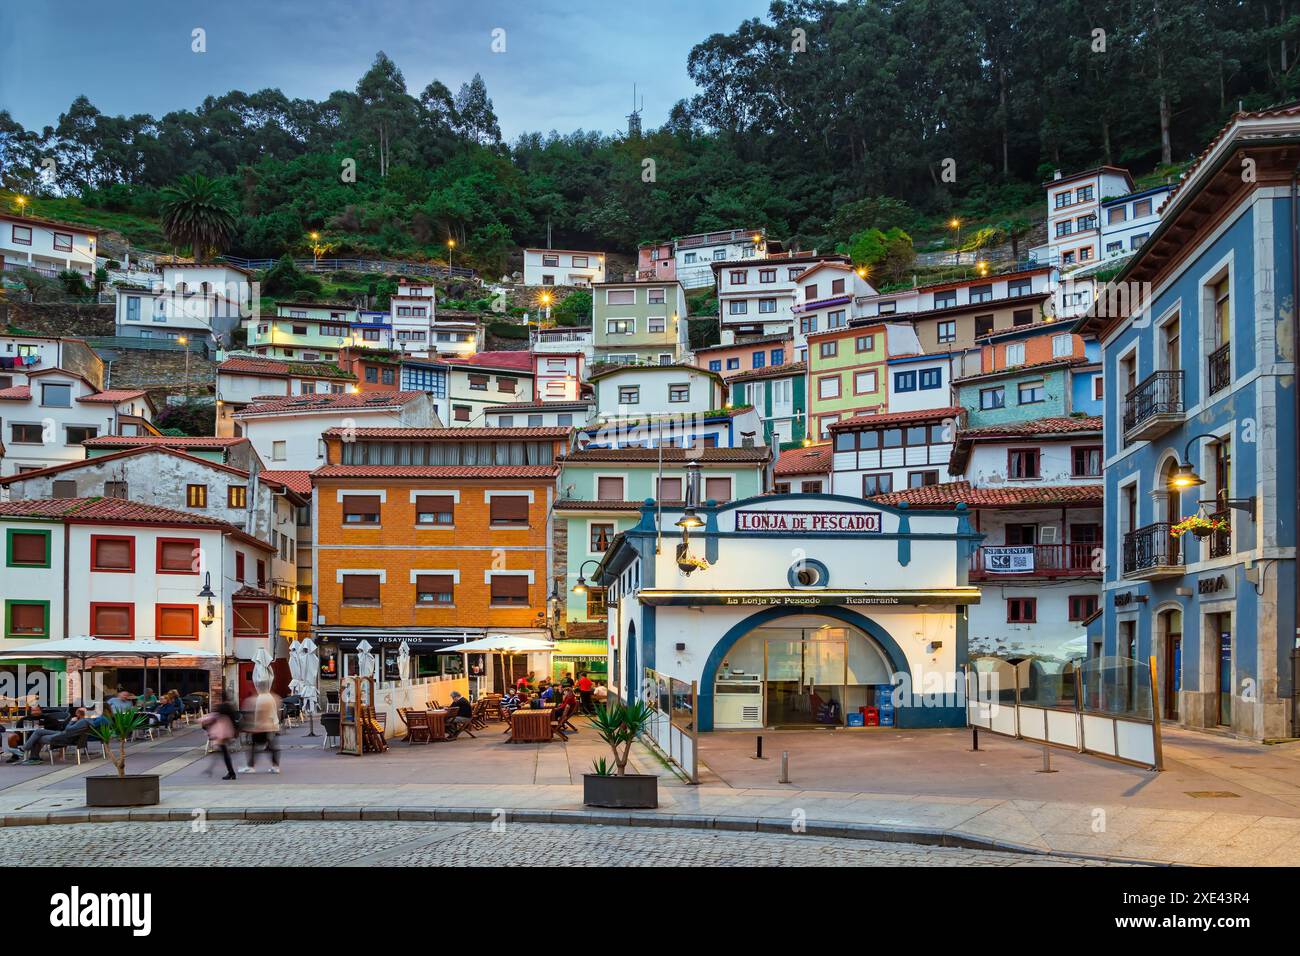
(135, 571)
(1127, 220)
(826, 297)
(412, 309)
(46, 420)
(539, 414)
(757, 296)
(695, 254)
(481, 382)
(877, 454)
(194, 299)
(286, 432)
(558, 376)
(563, 267)
(241, 379)
(794, 610)
(47, 246)
(562, 340)
(681, 405)
(920, 382)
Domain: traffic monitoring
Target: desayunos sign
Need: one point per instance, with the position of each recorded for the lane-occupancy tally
(855, 521)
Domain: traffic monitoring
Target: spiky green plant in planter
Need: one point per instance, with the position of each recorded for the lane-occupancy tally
(619, 726)
(119, 725)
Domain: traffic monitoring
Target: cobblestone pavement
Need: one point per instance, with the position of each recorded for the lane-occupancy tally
(228, 843)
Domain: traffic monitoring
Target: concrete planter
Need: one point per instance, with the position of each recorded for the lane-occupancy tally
(633, 791)
(133, 790)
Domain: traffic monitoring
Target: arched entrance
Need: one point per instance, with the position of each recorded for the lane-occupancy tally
(1173, 508)
(788, 668)
(631, 675)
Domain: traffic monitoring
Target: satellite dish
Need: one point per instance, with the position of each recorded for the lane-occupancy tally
(108, 355)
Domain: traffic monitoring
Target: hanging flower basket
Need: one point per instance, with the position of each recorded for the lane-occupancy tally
(687, 563)
(1199, 526)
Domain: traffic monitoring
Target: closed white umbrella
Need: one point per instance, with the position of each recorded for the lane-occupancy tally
(262, 676)
(310, 674)
(404, 662)
(295, 668)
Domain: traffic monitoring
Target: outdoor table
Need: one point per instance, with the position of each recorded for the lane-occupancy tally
(437, 724)
(530, 726)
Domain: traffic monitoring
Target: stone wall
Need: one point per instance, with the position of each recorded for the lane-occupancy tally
(62, 319)
(162, 372)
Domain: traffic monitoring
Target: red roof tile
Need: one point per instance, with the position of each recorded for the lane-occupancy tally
(813, 460)
(106, 509)
(452, 434)
(899, 418)
(16, 393)
(294, 404)
(771, 371)
(435, 471)
(116, 456)
(296, 481)
(521, 360)
(1039, 426)
(170, 441)
(247, 365)
(250, 593)
(1028, 366)
(951, 493)
(113, 396)
(753, 454)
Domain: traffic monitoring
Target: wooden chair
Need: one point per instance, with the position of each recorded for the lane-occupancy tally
(558, 717)
(479, 719)
(569, 711)
(455, 730)
(492, 706)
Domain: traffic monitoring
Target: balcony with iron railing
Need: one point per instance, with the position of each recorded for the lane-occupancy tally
(1155, 406)
(1221, 541)
(1074, 560)
(1220, 368)
(1151, 552)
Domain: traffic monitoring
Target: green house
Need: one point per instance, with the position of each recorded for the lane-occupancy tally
(780, 394)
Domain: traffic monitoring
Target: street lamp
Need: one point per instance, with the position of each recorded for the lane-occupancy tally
(955, 224)
(581, 587)
(1184, 476)
(209, 612)
(22, 204)
(315, 248)
(690, 519)
(546, 302)
(451, 246)
(186, 343)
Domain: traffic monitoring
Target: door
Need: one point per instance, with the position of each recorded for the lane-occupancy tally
(1172, 665)
(246, 689)
(805, 682)
(1221, 629)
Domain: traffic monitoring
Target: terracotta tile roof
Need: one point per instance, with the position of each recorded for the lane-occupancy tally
(435, 471)
(1027, 367)
(603, 369)
(755, 454)
(566, 405)
(245, 365)
(951, 493)
(552, 432)
(1292, 109)
(295, 404)
(249, 593)
(759, 340)
(170, 441)
(1038, 426)
(576, 504)
(772, 371)
(37, 221)
(108, 510)
(899, 418)
(520, 361)
(296, 481)
(815, 459)
(114, 396)
(16, 393)
(118, 455)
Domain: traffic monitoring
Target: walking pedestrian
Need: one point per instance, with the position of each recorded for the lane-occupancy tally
(265, 726)
(222, 725)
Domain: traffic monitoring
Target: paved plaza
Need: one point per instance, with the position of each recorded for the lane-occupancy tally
(1220, 801)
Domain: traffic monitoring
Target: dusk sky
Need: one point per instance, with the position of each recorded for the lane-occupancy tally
(567, 65)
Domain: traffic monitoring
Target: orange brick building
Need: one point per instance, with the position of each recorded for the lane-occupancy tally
(433, 536)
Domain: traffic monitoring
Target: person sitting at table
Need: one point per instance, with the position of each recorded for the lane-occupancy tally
(566, 681)
(548, 693)
(459, 713)
(168, 711)
(122, 700)
(76, 726)
(148, 698)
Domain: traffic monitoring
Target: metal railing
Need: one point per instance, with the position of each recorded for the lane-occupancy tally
(394, 266)
(1221, 368)
(1221, 541)
(1048, 560)
(1160, 393)
(1150, 547)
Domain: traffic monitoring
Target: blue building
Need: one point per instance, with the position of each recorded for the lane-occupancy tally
(1198, 344)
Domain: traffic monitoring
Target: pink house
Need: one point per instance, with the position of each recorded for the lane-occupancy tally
(655, 262)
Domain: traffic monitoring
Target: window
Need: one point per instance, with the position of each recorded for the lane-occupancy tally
(766, 275)
(778, 357)
(1022, 463)
(864, 343)
(509, 511)
(945, 300)
(1086, 461)
(837, 319)
(510, 590)
(239, 566)
(1067, 258)
(361, 590)
(1030, 393)
(877, 485)
(461, 413)
(807, 324)
(810, 292)
(655, 297)
(828, 387)
(506, 385)
(67, 488)
(828, 349)
(733, 364)
(1014, 354)
(981, 293)
(1022, 317)
(22, 235)
(602, 534)
(905, 381)
(27, 549)
(196, 496)
(596, 606)
(178, 556)
(931, 378)
(1064, 228)
(781, 487)
(1017, 287)
(812, 488)
(1115, 214)
(534, 421)
(864, 383)
(361, 509)
(887, 308)
(737, 307)
(176, 622)
(993, 398)
(478, 383)
(837, 286)
(766, 306)
(1022, 610)
(946, 331)
(279, 450)
(56, 395)
(679, 393)
(921, 479)
(1062, 346)
(620, 296)
(63, 242)
(670, 489)
(739, 276)
(629, 394)
(550, 261)
(1084, 194)
(112, 621)
(715, 365)
(115, 554)
(620, 326)
(983, 325)
(1064, 199)
(388, 376)
(1082, 606)
(609, 489)
(76, 434)
(717, 489)
(1114, 248)
(656, 325)
(435, 590)
(251, 620)
(435, 509)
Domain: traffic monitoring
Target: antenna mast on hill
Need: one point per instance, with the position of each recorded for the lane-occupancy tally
(634, 118)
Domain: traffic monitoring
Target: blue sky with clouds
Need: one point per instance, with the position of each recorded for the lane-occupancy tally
(568, 64)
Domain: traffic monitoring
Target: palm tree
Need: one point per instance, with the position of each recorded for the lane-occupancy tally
(195, 214)
(1014, 230)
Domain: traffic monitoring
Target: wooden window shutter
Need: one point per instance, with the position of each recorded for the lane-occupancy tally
(29, 548)
(361, 587)
(510, 509)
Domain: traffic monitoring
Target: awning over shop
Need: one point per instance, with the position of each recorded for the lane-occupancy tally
(417, 640)
(581, 649)
(823, 597)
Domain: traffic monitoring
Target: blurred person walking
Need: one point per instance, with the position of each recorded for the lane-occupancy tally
(264, 726)
(222, 725)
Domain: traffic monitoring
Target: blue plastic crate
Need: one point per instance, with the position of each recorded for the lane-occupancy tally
(856, 720)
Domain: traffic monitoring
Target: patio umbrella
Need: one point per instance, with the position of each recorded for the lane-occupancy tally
(504, 643)
(83, 649)
(295, 668)
(310, 676)
(404, 662)
(262, 676)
